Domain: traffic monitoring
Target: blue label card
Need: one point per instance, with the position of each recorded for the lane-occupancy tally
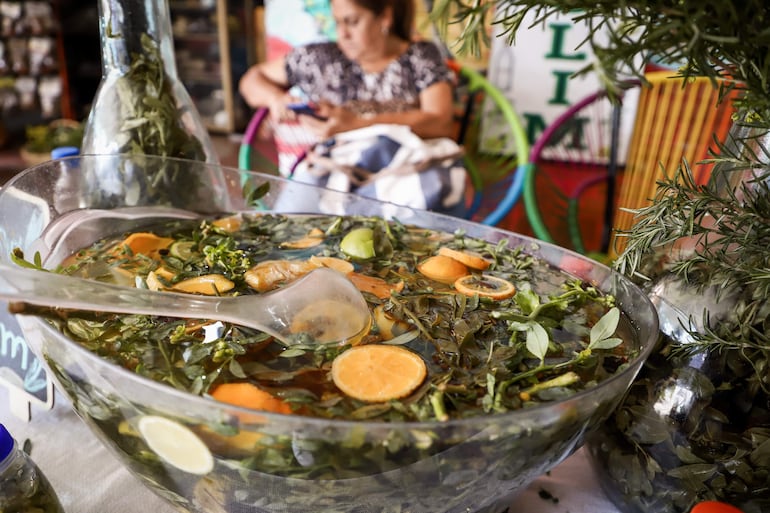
(20, 370)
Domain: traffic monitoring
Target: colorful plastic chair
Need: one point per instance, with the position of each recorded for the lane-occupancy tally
(674, 120)
(574, 166)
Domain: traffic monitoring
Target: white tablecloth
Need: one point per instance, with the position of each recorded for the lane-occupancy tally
(89, 479)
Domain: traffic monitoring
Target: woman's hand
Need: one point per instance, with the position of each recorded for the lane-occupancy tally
(279, 108)
(265, 85)
(331, 119)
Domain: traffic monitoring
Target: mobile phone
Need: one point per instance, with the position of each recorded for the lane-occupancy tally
(305, 109)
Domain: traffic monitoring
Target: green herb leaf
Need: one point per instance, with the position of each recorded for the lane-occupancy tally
(537, 340)
(604, 329)
(527, 300)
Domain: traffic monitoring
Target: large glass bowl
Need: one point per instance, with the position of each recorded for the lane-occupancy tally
(467, 465)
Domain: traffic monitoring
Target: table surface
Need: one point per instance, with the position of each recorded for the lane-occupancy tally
(88, 478)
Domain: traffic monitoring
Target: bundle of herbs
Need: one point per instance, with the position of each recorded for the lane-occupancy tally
(151, 123)
(151, 118)
(696, 423)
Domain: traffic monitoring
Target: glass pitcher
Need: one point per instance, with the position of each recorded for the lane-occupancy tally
(141, 106)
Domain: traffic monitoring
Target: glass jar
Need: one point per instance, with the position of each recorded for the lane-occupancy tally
(695, 424)
(23, 487)
(141, 106)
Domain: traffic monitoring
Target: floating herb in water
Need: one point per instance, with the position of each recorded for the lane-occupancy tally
(549, 340)
(460, 441)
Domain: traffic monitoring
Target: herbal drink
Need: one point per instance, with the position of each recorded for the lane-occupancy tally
(483, 405)
(490, 328)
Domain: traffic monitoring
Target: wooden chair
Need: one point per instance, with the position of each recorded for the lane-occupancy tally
(496, 181)
(676, 120)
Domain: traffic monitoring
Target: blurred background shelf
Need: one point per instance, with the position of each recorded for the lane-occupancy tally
(215, 43)
(211, 38)
(34, 86)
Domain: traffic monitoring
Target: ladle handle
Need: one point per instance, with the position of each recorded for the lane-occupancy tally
(62, 291)
(272, 313)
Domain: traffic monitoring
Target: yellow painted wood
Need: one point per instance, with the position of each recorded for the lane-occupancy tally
(675, 120)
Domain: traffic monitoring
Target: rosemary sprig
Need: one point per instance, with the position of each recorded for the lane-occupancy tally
(719, 237)
(713, 38)
(724, 225)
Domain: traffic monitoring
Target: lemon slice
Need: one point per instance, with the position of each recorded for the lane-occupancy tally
(485, 285)
(176, 444)
(469, 258)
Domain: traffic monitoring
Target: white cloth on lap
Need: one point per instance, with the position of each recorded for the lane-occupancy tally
(389, 163)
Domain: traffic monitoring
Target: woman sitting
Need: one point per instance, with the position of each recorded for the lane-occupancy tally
(374, 74)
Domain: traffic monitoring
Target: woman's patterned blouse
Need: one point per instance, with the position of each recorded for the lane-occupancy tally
(323, 72)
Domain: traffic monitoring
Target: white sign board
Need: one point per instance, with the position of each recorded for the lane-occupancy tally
(536, 74)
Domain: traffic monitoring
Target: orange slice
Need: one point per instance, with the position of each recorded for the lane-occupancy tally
(208, 284)
(331, 320)
(378, 373)
(229, 224)
(375, 285)
(469, 258)
(249, 396)
(153, 282)
(145, 243)
(335, 263)
(714, 507)
(485, 285)
(313, 238)
(442, 268)
(246, 440)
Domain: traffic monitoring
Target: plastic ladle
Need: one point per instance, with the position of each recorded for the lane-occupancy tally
(322, 305)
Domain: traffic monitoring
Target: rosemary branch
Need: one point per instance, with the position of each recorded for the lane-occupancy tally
(710, 38)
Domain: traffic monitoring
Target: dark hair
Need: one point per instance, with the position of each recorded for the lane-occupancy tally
(403, 14)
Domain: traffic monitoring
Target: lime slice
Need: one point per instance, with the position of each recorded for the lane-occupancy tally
(176, 444)
(359, 243)
(182, 249)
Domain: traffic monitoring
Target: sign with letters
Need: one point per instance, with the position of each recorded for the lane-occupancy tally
(536, 74)
(20, 370)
